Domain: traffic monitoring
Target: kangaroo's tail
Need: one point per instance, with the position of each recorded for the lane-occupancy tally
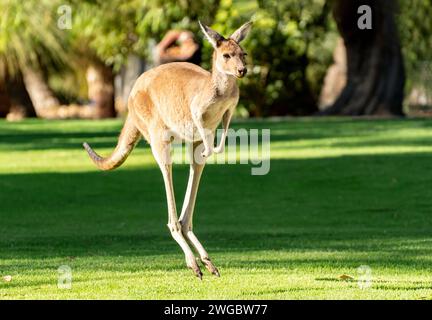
(129, 136)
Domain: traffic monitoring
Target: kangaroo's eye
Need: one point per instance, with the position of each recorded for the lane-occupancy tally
(226, 56)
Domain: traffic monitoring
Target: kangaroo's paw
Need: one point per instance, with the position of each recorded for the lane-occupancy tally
(219, 149)
(207, 152)
(210, 266)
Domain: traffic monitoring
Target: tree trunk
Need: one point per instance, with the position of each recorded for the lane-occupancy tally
(375, 71)
(20, 103)
(335, 79)
(43, 99)
(5, 103)
(100, 82)
(125, 80)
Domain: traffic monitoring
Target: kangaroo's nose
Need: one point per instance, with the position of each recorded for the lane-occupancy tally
(242, 72)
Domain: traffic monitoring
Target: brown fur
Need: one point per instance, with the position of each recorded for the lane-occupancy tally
(189, 103)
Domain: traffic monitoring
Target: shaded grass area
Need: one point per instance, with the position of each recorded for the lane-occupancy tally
(340, 194)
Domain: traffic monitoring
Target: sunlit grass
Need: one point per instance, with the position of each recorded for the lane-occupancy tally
(340, 194)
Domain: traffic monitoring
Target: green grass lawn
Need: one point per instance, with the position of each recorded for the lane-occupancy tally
(340, 194)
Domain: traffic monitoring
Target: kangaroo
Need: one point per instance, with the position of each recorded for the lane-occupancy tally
(182, 101)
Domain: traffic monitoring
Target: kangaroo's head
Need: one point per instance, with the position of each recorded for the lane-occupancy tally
(229, 57)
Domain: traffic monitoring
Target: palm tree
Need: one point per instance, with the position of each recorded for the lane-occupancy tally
(30, 42)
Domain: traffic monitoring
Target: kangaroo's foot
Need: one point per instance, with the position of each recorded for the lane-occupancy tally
(210, 266)
(193, 265)
(191, 262)
(190, 236)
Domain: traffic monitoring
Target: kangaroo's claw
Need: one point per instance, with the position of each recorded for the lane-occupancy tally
(195, 269)
(198, 273)
(210, 266)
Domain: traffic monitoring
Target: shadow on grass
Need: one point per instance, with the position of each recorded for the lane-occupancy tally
(58, 140)
(40, 138)
(360, 205)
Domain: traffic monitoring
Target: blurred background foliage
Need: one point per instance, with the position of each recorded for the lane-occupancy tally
(415, 29)
(290, 47)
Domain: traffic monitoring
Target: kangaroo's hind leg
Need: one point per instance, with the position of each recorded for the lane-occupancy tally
(196, 169)
(161, 152)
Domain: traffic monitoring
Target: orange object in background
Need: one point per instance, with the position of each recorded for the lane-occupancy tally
(178, 46)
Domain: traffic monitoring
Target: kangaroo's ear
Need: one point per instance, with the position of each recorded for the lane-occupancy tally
(241, 32)
(212, 36)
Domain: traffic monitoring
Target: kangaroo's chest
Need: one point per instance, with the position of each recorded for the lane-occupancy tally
(214, 112)
(209, 110)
